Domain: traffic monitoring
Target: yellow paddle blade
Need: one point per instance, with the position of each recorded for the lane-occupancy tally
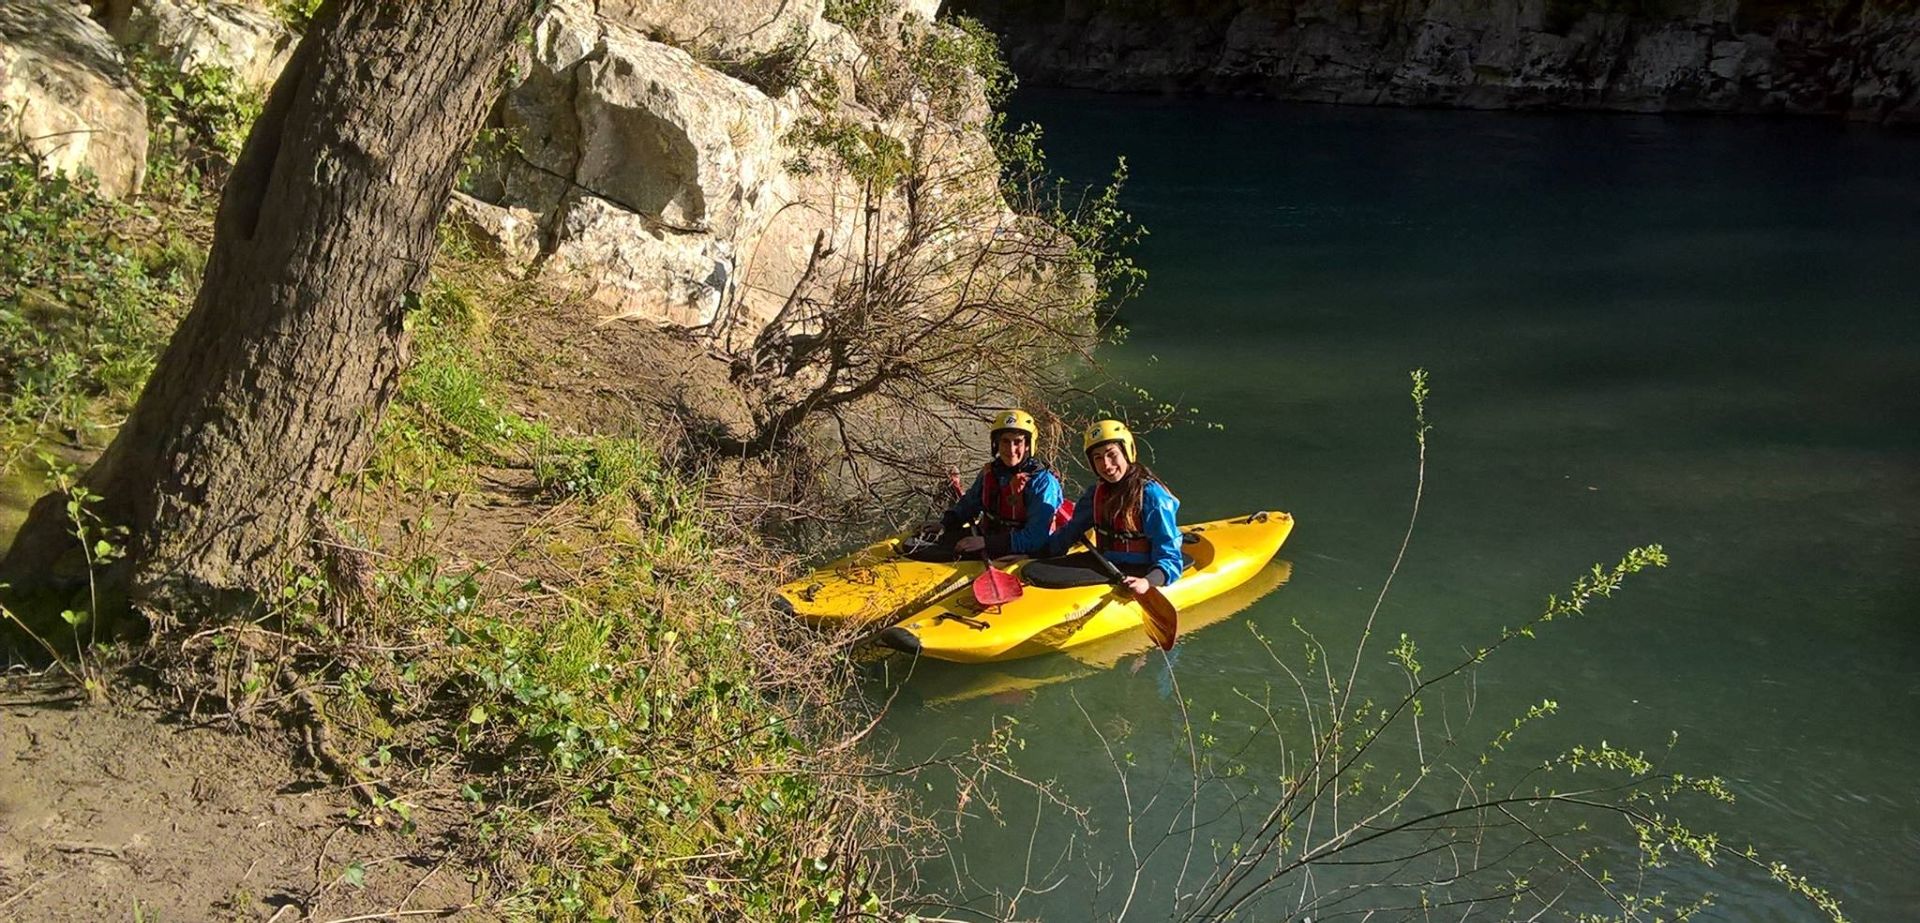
(1163, 622)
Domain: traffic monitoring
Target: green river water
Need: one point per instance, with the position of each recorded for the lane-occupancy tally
(1702, 333)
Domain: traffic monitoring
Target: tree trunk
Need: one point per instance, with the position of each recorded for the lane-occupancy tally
(273, 385)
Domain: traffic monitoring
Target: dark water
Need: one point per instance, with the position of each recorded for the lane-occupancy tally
(1702, 333)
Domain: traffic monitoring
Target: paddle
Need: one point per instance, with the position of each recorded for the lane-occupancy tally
(1163, 621)
(994, 587)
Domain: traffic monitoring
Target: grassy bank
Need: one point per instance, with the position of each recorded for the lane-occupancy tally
(561, 631)
(535, 627)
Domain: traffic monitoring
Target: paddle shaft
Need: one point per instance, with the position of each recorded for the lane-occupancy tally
(994, 587)
(1113, 573)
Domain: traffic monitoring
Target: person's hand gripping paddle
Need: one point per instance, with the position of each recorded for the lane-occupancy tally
(994, 587)
(1163, 621)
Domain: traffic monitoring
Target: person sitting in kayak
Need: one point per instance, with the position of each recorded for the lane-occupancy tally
(1012, 500)
(1133, 516)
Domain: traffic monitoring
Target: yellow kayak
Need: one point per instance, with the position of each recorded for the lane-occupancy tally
(1223, 554)
(1016, 679)
(872, 585)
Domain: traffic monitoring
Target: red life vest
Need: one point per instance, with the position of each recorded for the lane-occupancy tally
(1005, 510)
(1123, 536)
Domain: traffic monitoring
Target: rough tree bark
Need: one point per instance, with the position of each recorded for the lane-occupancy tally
(272, 386)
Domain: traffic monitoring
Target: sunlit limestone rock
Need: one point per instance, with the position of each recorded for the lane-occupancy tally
(638, 268)
(670, 192)
(252, 43)
(738, 27)
(511, 234)
(66, 95)
(645, 166)
(927, 10)
(661, 136)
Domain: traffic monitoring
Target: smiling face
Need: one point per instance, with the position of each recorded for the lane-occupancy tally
(1010, 446)
(1109, 461)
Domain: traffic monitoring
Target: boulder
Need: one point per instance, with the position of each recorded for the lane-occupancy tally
(510, 234)
(645, 166)
(640, 124)
(635, 268)
(1665, 69)
(67, 97)
(1890, 91)
(252, 43)
(737, 27)
(927, 10)
(669, 192)
(706, 139)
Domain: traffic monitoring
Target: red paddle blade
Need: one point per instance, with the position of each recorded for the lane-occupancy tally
(1163, 623)
(1062, 515)
(996, 588)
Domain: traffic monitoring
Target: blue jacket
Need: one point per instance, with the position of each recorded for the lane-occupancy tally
(1159, 518)
(1042, 497)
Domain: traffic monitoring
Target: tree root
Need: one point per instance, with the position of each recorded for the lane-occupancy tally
(317, 735)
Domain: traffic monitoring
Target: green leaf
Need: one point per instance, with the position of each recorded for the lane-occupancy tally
(477, 715)
(355, 875)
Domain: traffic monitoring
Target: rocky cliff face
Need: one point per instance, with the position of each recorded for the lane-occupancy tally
(698, 164)
(1855, 58)
(637, 162)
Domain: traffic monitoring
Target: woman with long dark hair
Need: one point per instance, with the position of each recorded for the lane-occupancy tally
(1134, 519)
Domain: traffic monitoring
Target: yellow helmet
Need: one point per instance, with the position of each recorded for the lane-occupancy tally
(1110, 431)
(1017, 420)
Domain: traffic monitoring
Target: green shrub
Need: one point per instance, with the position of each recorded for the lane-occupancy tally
(777, 70)
(958, 55)
(198, 120)
(296, 15)
(83, 308)
(90, 288)
(858, 14)
(631, 738)
(867, 153)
